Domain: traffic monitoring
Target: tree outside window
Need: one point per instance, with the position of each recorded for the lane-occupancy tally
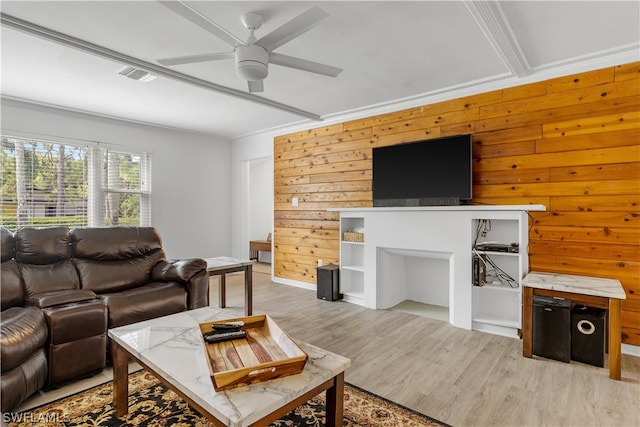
(45, 184)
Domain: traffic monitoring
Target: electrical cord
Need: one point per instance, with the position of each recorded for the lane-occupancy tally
(492, 270)
(500, 274)
(482, 227)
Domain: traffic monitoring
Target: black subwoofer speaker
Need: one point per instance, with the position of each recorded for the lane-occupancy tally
(588, 335)
(552, 328)
(328, 283)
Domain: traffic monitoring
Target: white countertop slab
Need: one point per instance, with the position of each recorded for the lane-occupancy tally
(171, 346)
(223, 262)
(585, 285)
(530, 208)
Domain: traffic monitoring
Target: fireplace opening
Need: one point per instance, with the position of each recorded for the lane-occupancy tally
(414, 281)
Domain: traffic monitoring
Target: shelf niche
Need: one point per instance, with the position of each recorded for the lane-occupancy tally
(419, 276)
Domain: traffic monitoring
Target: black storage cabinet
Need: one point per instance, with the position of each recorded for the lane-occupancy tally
(588, 335)
(328, 283)
(552, 328)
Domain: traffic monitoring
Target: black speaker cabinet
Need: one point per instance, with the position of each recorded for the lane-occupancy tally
(552, 328)
(329, 283)
(588, 335)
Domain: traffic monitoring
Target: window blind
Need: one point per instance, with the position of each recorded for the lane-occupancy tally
(126, 188)
(45, 184)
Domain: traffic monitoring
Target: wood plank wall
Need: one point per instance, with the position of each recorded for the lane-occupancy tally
(570, 143)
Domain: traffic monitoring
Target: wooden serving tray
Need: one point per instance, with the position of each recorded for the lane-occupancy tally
(266, 353)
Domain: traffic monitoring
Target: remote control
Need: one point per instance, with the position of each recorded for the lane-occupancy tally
(224, 336)
(229, 326)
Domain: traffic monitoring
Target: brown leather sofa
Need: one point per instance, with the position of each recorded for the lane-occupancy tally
(63, 288)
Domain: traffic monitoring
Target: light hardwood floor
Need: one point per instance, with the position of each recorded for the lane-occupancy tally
(464, 378)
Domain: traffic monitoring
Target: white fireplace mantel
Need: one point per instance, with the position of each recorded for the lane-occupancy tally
(438, 241)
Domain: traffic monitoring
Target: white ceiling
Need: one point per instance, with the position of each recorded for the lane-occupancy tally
(391, 52)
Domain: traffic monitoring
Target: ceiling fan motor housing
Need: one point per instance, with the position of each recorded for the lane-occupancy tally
(252, 62)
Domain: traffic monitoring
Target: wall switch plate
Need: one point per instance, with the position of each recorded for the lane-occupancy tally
(320, 263)
(294, 201)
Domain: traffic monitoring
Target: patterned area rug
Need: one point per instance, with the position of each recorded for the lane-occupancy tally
(151, 403)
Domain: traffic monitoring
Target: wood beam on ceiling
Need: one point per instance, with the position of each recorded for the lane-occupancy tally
(94, 49)
(491, 20)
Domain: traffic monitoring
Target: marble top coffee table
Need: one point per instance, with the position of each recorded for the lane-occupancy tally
(172, 350)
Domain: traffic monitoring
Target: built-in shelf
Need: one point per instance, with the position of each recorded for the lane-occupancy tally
(354, 267)
(492, 319)
(499, 304)
(496, 253)
(352, 264)
(425, 254)
(501, 288)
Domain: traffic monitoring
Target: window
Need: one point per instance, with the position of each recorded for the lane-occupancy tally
(126, 189)
(47, 183)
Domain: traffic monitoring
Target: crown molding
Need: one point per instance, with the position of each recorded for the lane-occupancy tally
(491, 20)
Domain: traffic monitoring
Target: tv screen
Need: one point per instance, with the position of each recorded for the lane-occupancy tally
(431, 172)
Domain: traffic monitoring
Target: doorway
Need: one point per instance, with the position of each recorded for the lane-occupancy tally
(260, 203)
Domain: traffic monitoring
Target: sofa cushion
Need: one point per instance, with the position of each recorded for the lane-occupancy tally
(23, 330)
(145, 302)
(116, 275)
(114, 243)
(12, 289)
(58, 276)
(8, 248)
(42, 245)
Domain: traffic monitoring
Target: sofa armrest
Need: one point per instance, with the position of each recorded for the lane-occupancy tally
(192, 272)
(178, 270)
(50, 299)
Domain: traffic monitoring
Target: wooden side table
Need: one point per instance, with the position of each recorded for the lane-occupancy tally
(590, 291)
(255, 246)
(220, 266)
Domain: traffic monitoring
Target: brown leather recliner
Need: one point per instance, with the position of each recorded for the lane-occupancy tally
(23, 334)
(79, 283)
(127, 268)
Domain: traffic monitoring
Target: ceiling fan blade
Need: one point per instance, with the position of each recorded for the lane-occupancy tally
(190, 59)
(256, 86)
(303, 64)
(292, 29)
(202, 21)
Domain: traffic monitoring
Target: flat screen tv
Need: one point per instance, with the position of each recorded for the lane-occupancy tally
(423, 173)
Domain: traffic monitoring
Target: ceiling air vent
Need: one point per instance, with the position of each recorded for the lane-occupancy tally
(137, 74)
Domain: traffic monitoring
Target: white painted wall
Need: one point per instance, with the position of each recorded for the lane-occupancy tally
(191, 175)
(244, 152)
(260, 202)
(260, 198)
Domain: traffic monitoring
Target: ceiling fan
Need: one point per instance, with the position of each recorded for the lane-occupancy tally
(253, 57)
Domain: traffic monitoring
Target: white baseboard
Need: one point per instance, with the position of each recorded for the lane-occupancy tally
(296, 283)
(633, 350)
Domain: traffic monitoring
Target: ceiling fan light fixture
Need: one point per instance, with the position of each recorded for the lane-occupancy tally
(252, 62)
